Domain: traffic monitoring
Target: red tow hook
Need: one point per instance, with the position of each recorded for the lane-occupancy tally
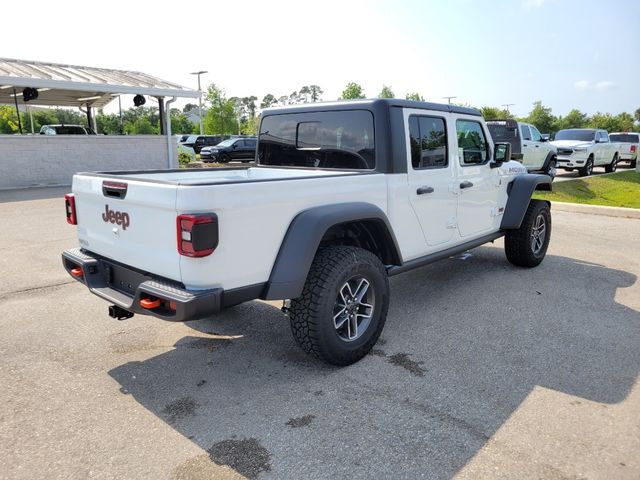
(77, 272)
(149, 304)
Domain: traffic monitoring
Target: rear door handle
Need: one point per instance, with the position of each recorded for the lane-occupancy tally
(466, 184)
(525, 144)
(537, 146)
(423, 190)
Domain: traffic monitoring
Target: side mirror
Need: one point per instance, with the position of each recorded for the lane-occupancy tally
(234, 146)
(501, 154)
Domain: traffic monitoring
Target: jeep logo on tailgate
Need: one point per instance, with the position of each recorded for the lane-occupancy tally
(119, 218)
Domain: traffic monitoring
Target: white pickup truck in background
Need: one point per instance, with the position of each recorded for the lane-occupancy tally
(528, 145)
(584, 148)
(629, 146)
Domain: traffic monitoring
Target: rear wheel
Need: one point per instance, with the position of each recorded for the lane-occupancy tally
(527, 246)
(612, 167)
(633, 163)
(588, 168)
(343, 306)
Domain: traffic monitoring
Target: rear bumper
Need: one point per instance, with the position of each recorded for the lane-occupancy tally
(629, 156)
(126, 287)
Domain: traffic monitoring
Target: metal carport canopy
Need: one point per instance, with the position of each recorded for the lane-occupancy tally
(75, 86)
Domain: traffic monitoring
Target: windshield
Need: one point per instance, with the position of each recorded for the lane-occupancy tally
(581, 135)
(625, 137)
(339, 139)
(226, 143)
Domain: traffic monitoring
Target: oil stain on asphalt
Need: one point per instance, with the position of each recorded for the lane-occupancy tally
(181, 408)
(301, 421)
(247, 456)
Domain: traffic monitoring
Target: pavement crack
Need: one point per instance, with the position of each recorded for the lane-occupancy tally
(34, 289)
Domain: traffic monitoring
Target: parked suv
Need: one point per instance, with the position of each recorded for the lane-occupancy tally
(66, 130)
(629, 146)
(585, 148)
(198, 142)
(243, 149)
(528, 146)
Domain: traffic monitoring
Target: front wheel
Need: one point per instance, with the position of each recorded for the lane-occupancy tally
(527, 246)
(343, 306)
(224, 158)
(612, 167)
(588, 168)
(552, 169)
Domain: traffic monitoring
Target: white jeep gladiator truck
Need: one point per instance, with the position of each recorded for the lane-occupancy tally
(344, 196)
(585, 148)
(528, 146)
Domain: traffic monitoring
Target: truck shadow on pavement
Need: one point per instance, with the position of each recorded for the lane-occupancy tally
(466, 341)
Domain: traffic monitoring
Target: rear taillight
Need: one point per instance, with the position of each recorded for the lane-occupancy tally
(633, 149)
(197, 234)
(70, 207)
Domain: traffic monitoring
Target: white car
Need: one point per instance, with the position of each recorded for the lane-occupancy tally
(528, 145)
(585, 148)
(345, 195)
(629, 146)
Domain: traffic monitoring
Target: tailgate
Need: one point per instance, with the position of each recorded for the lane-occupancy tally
(129, 221)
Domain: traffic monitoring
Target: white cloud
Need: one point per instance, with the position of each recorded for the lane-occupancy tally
(582, 84)
(530, 4)
(604, 85)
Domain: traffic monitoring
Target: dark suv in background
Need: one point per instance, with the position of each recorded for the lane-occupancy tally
(198, 142)
(243, 149)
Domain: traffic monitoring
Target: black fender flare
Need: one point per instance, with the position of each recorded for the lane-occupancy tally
(520, 191)
(300, 244)
(550, 156)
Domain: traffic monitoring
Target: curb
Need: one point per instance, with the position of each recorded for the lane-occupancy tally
(597, 210)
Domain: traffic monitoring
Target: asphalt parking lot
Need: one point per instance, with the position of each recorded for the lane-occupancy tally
(483, 370)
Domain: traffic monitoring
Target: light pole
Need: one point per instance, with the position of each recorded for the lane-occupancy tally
(449, 99)
(200, 98)
(507, 105)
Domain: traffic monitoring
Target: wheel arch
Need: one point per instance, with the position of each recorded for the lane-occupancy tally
(357, 224)
(520, 191)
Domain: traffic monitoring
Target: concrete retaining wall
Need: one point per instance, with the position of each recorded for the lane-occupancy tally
(39, 160)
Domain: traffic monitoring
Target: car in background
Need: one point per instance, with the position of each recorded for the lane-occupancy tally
(242, 148)
(585, 148)
(180, 138)
(528, 145)
(66, 130)
(198, 142)
(629, 146)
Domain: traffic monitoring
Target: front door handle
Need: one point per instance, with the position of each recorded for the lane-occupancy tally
(466, 184)
(423, 190)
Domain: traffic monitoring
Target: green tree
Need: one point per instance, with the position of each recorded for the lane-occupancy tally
(625, 122)
(316, 93)
(140, 126)
(108, 124)
(386, 92)
(414, 96)
(188, 107)
(636, 114)
(352, 91)
(541, 117)
(221, 116)
(8, 119)
(268, 101)
(495, 113)
(179, 122)
(574, 119)
(605, 121)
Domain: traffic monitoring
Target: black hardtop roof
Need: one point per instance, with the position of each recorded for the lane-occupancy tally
(370, 104)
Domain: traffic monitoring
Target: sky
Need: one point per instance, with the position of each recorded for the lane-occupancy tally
(566, 53)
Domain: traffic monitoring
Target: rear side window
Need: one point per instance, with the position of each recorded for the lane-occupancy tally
(428, 137)
(500, 132)
(473, 148)
(624, 137)
(339, 139)
(250, 143)
(526, 133)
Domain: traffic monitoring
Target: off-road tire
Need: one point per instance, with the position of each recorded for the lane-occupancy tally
(613, 165)
(588, 168)
(633, 163)
(312, 314)
(518, 243)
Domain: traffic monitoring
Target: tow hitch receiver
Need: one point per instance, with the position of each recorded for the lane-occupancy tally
(119, 313)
